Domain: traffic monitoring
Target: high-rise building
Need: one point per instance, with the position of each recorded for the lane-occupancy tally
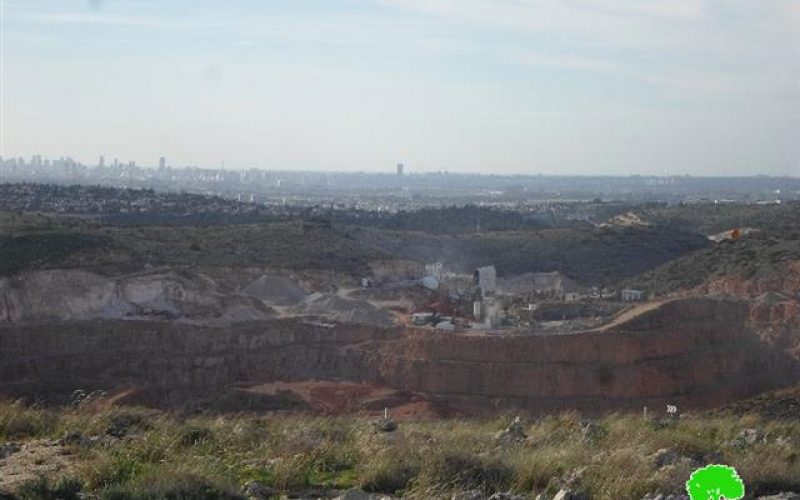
(162, 163)
(102, 162)
(400, 168)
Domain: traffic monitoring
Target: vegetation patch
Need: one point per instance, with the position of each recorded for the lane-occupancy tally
(215, 456)
(40, 249)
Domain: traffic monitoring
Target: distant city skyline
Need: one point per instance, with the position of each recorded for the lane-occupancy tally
(44, 165)
(614, 87)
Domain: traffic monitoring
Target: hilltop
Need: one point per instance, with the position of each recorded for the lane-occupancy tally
(588, 255)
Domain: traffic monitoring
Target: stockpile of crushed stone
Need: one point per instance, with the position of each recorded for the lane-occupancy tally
(278, 290)
(349, 311)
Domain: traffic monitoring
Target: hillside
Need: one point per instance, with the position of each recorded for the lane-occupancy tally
(754, 257)
(591, 256)
(711, 218)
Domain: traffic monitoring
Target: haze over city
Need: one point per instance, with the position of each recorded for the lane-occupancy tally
(594, 87)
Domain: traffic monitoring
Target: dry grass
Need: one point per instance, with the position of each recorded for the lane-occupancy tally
(159, 454)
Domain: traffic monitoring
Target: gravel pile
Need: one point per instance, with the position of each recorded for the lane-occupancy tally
(278, 290)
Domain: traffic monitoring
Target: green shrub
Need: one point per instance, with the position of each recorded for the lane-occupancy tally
(170, 487)
(65, 488)
(193, 436)
(464, 471)
(20, 422)
(123, 422)
(384, 475)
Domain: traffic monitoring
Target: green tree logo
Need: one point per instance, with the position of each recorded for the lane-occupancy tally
(715, 482)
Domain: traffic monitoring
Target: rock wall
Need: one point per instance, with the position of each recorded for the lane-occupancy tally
(76, 295)
(692, 352)
(775, 303)
(785, 280)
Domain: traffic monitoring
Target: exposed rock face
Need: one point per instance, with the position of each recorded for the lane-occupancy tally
(787, 281)
(63, 295)
(690, 352)
(75, 295)
(775, 303)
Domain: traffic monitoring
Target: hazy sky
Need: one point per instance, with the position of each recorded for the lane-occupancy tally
(516, 86)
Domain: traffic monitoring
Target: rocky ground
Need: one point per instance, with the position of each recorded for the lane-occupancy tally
(94, 449)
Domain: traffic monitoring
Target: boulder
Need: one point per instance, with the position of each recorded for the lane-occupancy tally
(513, 434)
(749, 437)
(257, 491)
(75, 438)
(384, 424)
(569, 481)
(506, 496)
(664, 457)
(570, 495)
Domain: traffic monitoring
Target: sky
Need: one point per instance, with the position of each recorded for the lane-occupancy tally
(618, 87)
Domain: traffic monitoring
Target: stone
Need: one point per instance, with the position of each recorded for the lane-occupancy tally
(568, 481)
(749, 437)
(74, 438)
(664, 457)
(506, 496)
(570, 495)
(513, 434)
(469, 495)
(384, 424)
(572, 478)
(257, 491)
(316, 493)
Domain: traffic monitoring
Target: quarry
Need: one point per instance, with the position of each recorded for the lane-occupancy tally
(275, 341)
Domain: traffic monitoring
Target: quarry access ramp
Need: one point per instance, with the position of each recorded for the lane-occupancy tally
(631, 313)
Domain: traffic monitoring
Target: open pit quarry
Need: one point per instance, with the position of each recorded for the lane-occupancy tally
(172, 339)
